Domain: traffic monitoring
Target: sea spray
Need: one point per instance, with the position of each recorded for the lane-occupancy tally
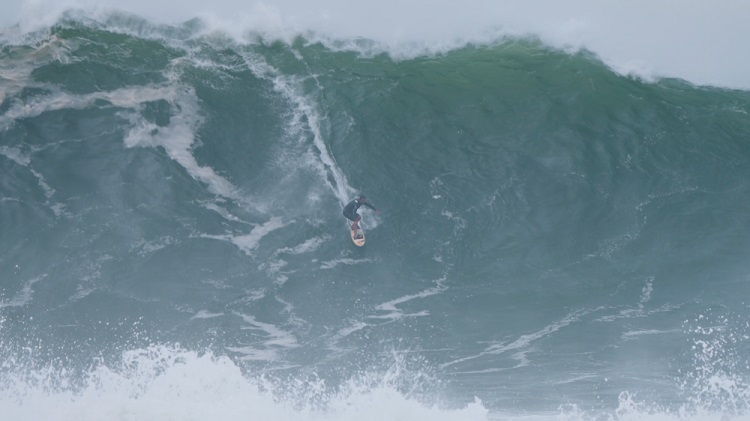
(170, 382)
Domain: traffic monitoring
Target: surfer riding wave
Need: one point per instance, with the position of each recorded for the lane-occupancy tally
(351, 208)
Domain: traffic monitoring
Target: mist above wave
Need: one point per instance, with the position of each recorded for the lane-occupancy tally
(696, 41)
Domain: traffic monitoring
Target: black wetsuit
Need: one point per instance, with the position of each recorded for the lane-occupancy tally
(351, 208)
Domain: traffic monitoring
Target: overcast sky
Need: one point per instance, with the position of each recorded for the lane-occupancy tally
(705, 42)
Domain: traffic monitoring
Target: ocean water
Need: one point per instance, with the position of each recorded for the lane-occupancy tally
(556, 240)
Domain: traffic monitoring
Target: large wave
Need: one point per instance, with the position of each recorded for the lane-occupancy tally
(694, 41)
(559, 241)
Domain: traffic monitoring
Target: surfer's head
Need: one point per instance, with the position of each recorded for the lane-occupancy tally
(362, 198)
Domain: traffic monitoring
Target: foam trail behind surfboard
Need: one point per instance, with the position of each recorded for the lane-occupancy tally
(290, 89)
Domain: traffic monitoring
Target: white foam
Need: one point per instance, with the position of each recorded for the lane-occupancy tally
(16, 69)
(274, 265)
(151, 246)
(248, 243)
(223, 212)
(24, 296)
(20, 158)
(648, 288)
(330, 264)
(81, 292)
(355, 327)
(130, 97)
(48, 191)
(277, 340)
(177, 138)
(169, 383)
(521, 344)
(690, 39)
(633, 334)
(205, 314)
(305, 116)
(308, 246)
(631, 312)
(393, 312)
(15, 155)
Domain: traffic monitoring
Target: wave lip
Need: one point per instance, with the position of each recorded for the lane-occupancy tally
(697, 41)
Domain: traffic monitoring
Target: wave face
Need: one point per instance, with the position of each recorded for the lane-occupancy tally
(556, 240)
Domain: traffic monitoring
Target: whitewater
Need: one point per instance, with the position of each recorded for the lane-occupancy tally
(563, 231)
(691, 40)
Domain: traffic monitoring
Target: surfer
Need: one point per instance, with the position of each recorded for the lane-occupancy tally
(350, 210)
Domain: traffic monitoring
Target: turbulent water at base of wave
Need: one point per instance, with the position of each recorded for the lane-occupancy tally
(555, 241)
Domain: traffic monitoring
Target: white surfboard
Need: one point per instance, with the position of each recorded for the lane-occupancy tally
(358, 236)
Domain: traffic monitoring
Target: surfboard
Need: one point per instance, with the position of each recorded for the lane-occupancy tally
(358, 236)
